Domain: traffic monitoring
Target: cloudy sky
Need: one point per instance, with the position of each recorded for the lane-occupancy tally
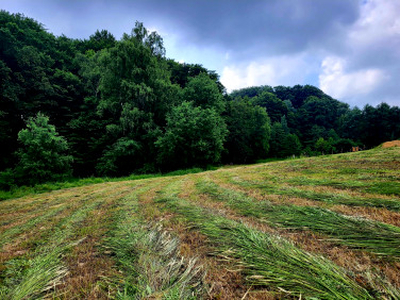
(348, 48)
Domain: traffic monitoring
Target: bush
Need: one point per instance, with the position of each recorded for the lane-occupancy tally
(42, 156)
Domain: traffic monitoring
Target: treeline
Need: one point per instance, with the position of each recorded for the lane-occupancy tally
(306, 120)
(108, 107)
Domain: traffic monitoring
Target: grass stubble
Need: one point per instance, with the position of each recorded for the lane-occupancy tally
(325, 227)
(266, 260)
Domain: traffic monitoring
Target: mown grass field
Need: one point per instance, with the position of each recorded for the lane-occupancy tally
(322, 228)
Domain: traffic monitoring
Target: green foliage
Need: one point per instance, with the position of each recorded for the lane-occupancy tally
(323, 146)
(100, 40)
(275, 107)
(284, 144)
(110, 99)
(182, 73)
(151, 261)
(291, 146)
(268, 260)
(151, 40)
(204, 92)
(135, 95)
(43, 154)
(194, 136)
(7, 180)
(249, 132)
(114, 159)
(277, 136)
(251, 92)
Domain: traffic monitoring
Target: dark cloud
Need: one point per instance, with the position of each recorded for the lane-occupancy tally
(270, 27)
(343, 43)
(266, 27)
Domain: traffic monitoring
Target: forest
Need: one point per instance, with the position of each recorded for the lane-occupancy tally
(107, 107)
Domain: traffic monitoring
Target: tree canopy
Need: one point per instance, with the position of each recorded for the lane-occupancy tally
(43, 154)
(120, 106)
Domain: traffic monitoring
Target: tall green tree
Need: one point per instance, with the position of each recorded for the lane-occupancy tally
(204, 92)
(134, 96)
(37, 74)
(43, 154)
(181, 73)
(249, 132)
(278, 135)
(323, 146)
(291, 146)
(194, 136)
(283, 143)
(275, 107)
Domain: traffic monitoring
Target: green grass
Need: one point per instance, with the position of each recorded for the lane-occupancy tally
(27, 278)
(378, 238)
(193, 234)
(13, 232)
(385, 188)
(338, 197)
(382, 187)
(17, 192)
(150, 261)
(41, 268)
(269, 260)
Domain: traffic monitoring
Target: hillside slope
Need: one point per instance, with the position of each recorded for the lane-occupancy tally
(325, 227)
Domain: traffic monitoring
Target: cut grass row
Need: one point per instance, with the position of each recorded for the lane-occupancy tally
(280, 187)
(40, 267)
(150, 260)
(146, 256)
(378, 238)
(378, 187)
(52, 211)
(267, 260)
(168, 238)
(28, 207)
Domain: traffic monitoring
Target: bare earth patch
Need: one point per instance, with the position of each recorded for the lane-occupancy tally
(390, 144)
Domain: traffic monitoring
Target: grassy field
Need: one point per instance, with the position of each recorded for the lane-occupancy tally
(315, 228)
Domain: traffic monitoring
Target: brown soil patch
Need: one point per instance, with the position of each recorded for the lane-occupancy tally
(86, 268)
(390, 144)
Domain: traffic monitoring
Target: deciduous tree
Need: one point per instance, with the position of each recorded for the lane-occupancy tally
(43, 154)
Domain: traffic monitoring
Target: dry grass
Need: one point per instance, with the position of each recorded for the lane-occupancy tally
(82, 218)
(222, 280)
(374, 213)
(359, 262)
(87, 265)
(391, 144)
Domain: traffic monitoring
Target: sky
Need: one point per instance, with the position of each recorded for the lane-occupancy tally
(350, 49)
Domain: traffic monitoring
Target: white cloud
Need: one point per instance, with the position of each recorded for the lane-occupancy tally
(335, 81)
(236, 77)
(278, 70)
(379, 21)
(368, 70)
